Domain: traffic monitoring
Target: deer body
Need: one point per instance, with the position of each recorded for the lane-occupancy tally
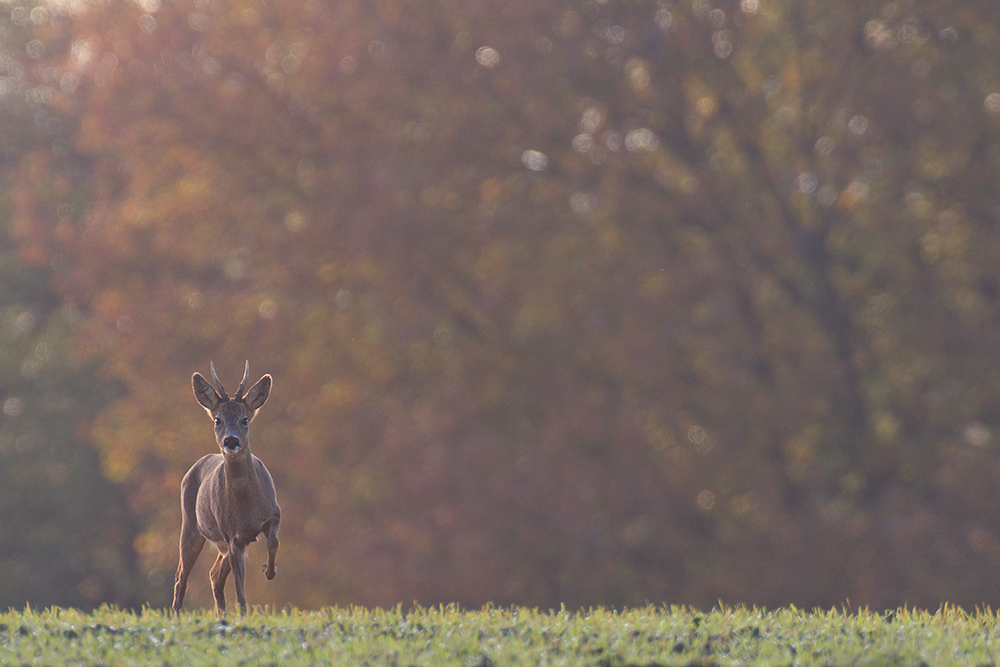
(227, 498)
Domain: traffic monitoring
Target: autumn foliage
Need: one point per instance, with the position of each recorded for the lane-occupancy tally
(583, 303)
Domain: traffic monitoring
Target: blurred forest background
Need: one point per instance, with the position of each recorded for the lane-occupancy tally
(590, 302)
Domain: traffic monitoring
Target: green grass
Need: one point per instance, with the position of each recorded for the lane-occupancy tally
(502, 637)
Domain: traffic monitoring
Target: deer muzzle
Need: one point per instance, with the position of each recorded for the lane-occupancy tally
(231, 444)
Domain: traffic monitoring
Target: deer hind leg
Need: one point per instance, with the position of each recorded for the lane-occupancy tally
(217, 575)
(191, 544)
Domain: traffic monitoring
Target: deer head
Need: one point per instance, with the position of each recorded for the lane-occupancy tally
(232, 415)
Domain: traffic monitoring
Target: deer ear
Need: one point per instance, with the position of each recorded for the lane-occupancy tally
(258, 393)
(204, 393)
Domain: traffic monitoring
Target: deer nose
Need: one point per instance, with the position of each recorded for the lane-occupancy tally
(231, 443)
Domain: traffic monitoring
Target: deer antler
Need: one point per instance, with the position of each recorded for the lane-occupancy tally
(243, 383)
(218, 382)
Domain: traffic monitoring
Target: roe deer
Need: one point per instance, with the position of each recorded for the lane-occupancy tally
(227, 498)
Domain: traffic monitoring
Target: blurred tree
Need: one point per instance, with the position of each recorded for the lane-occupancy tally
(584, 302)
(66, 533)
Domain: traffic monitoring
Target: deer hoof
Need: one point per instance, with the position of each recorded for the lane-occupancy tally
(269, 573)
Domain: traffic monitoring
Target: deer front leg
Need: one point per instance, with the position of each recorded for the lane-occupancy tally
(237, 560)
(191, 544)
(220, 570)
(271, 534)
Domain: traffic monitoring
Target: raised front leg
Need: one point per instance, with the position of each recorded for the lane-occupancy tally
(271, 535)
(191, 544)
(218, 574)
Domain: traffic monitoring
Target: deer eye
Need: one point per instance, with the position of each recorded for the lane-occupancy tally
(218, 420)
(245, 421)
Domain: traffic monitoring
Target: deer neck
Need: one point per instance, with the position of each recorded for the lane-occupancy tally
(240, 474)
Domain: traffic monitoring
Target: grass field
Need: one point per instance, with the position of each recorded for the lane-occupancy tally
(502, 637)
